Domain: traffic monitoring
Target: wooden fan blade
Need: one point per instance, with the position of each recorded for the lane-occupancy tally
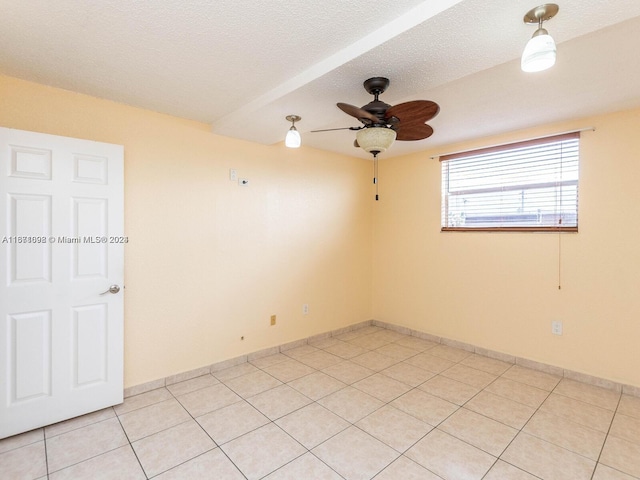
(415, 131)
(417, 111)
(333, 129)
(358, 113)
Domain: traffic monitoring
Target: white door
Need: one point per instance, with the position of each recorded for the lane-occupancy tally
(61, 247)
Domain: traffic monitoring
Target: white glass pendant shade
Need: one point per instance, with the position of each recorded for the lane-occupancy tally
(539, 54)
(375, 139)
(292, 139)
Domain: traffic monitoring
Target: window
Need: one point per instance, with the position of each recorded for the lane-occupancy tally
(525, 186)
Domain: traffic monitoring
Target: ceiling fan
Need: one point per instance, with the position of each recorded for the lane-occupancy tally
(382, 123)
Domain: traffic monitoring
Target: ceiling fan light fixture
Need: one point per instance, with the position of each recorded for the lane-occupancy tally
(375, 138)
(293, 139)
(540, 51)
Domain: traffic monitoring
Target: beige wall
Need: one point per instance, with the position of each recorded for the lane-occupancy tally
(209, 261)
(500, 290)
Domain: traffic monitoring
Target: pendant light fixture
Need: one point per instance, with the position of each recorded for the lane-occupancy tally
(293, 139)
(540, 52)
(375, 139)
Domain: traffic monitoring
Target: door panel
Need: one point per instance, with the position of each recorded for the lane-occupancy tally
(61, 340)
(30, 356)
(89, 224)
(29, 262)
(91, 344)
(30, 162)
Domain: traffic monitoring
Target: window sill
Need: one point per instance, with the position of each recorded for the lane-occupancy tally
(512, 229)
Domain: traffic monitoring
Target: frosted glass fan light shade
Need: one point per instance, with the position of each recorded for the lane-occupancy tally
(375, 139)
(292, 139)
(539, 54)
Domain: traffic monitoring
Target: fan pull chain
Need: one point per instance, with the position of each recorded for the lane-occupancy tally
(375, 174)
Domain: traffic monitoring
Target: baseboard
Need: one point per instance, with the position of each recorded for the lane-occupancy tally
(232, 362)
(524, 362)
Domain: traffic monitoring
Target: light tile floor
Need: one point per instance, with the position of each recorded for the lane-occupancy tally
(371, 403)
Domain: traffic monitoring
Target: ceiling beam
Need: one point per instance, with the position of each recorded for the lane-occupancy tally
(413, 17)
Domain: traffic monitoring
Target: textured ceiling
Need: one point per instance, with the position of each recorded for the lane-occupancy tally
(242, 65)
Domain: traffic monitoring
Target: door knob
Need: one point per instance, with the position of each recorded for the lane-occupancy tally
(112, 289)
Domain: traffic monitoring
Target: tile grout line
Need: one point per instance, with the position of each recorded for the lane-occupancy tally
(86, 459)
(350, 424)
(416, 387)
(461, 406)
(46, 455)
(181, 423)
(459, 362)
(580, 425)
(131, 446)
(615, 412)
(402, 454)
(397, 361)
(474, 396)
(521, 430)
(307, 450)
(273, 422)
(200, 426)
(458, 407)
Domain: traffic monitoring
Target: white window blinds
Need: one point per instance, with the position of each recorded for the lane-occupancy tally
(525, 186)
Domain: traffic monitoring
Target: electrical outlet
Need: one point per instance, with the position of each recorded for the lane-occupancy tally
(233, 175)
(305, 309)
(556, 327)
(273, 320)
